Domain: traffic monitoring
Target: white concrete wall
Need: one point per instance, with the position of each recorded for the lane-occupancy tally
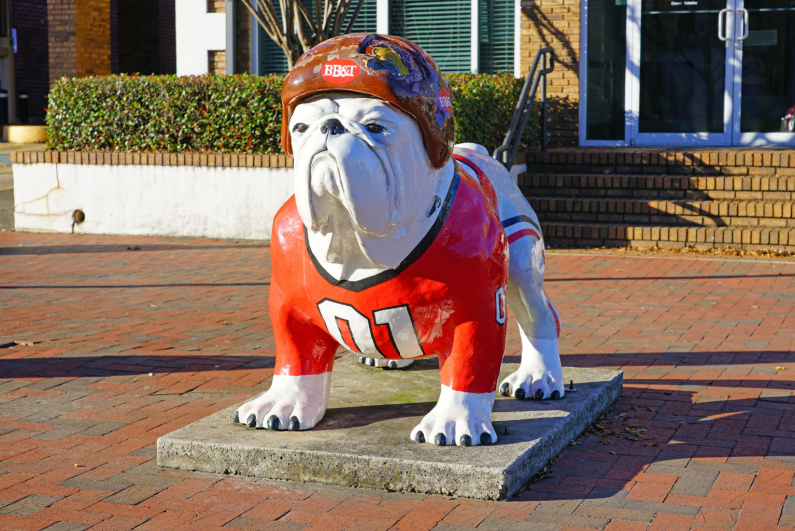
(197, 32)
(196, 201)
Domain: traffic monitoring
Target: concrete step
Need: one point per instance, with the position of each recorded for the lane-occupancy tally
(748, 188)
(712, 213)
(661, 161)
(663, 197)
(561, 234)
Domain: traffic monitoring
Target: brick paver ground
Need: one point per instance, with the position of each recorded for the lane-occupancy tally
(106, 343)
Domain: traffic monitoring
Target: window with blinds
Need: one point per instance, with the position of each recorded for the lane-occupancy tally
(442, 27)
(272, 59)
(366, 21)
(496, 35)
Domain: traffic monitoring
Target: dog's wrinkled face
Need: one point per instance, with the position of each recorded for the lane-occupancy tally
(360, 166)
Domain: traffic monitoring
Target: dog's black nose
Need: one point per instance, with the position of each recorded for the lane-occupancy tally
(332, 125)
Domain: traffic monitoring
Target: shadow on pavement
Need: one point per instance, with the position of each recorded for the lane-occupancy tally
(672, 278)
(674, 430)
(666, 441)
(130, 247)
(6, 210)
(122, 365)
(135, 286)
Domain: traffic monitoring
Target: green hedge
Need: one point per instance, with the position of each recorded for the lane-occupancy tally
(483, 105)
(229, 113)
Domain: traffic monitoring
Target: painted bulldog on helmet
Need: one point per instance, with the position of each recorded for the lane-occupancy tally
(397, 246)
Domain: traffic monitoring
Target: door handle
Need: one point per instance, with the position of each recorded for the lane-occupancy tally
(721, 26)
(744, 23)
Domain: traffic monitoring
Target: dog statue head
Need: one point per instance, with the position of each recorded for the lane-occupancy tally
(369, 121)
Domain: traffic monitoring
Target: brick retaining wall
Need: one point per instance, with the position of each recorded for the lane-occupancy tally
(230, 160)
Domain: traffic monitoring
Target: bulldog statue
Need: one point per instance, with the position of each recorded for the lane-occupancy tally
(398, 246)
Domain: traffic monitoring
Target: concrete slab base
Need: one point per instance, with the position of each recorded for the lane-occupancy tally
(363, 441)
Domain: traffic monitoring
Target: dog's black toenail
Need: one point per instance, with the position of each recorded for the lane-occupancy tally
(273, 422)
(439, 439)
(236, 417)
(539, 394)
(294, 424)
(519, 394)
(485, 438)
(420, 437)
(505, 389)
(555, 395)
(251, 421)
(465, 440)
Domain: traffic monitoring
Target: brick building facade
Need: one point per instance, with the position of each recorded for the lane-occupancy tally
(77, 38)
(146, 38)
(542, 23)
(555, 24)
(216, 59)
(93, 37)
(31, 66)
(626, 74)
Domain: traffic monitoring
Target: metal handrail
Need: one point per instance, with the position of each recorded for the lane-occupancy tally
(507, 151)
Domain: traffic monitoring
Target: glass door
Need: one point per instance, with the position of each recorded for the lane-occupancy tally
(764, 80)
(683, 69)
(710, 72)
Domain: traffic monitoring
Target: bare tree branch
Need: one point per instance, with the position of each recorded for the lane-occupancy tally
(267, 12)
(298, 26)
(339, 11)
(354, 16)
(261, 20)
(327, 11)
(316, 35)
(295, 30)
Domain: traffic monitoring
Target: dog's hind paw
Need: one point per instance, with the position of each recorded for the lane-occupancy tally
(532, 384)
(459, 418)
(540, 374)
(385, 363)
(292, 403)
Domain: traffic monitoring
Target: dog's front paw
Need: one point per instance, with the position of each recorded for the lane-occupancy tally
(292, 403)
(540, 374)
(385, 363)
(458, 418)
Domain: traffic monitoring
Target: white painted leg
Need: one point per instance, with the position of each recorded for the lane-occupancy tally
(540, 374)
(291, 403)
(459, 418)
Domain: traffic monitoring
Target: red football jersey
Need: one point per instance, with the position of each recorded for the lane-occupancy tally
(446, 298)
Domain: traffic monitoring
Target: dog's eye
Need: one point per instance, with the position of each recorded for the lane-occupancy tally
(300, 128)
(375, 128)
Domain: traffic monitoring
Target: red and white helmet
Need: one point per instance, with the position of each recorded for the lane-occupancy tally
(389, 68)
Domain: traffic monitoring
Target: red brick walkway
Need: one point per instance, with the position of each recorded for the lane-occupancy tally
(122, 339)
